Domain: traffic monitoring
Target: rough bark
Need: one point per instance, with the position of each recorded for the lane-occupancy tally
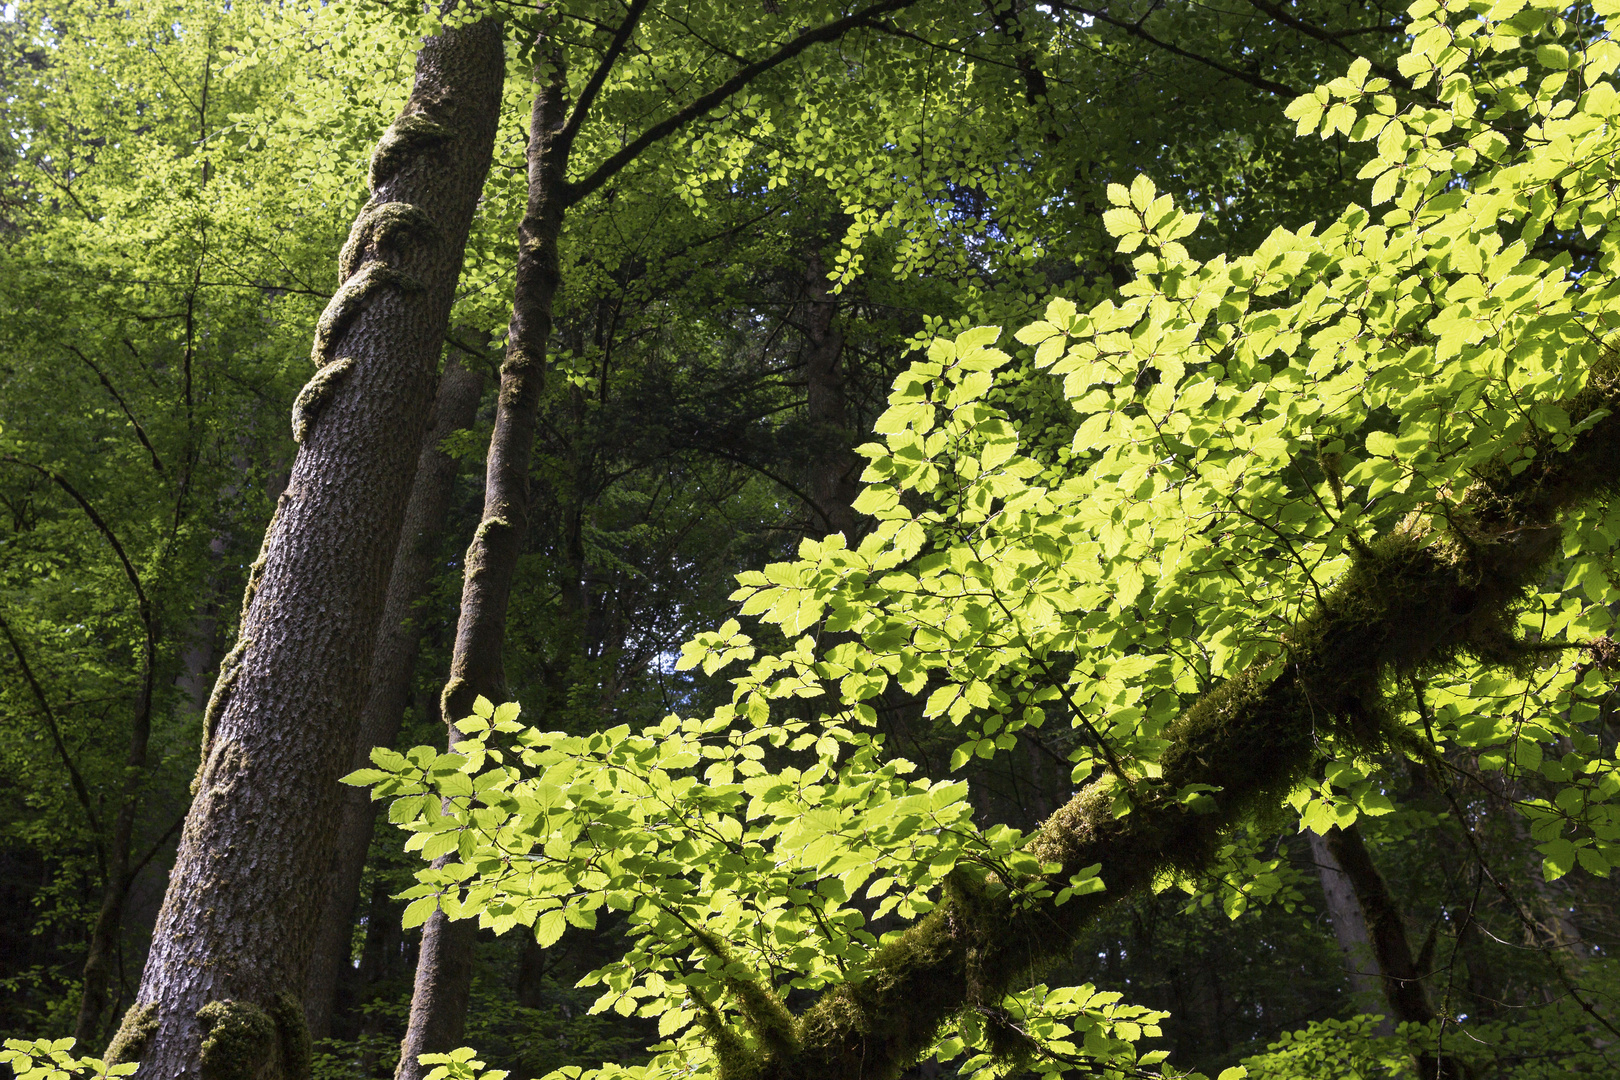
(220, 993)
(392, 665)
(1350, 928)
(1411, 600)
(444, 967)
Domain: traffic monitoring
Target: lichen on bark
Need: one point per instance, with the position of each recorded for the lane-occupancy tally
(239, 1039)
(350, 300)
(407, 136)
(380, 226)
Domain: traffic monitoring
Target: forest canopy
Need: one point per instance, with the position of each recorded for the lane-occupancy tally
(1005, 539)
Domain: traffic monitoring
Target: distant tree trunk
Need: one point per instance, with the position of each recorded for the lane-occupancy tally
(113, 852)
(392, 666)
(835, 467)
(1386, 931)
(444, 968)
(1350, 928)
(220, 996)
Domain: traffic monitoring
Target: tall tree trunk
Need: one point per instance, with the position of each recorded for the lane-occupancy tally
(1350, 928)
(220, 996)
(392, 666)
(835, 469)
(444, 968)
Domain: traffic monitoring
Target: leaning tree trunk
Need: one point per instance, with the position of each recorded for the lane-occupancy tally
(444, 966)
(392, 666)
(220, 996)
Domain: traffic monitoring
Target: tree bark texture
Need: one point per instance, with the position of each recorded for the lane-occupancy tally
(392, 665)
(444, 967)
(1412, 599)
(220, 996)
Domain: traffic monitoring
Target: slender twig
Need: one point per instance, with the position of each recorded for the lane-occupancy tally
(593, 85)
(80, 789)
(157, 845)
(140, 432)
(1518, 908)
(1136, 30)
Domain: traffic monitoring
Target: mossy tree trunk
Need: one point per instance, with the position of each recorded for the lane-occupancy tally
(444, 966)
(392, 667)
(220, 996)
(1411, 600)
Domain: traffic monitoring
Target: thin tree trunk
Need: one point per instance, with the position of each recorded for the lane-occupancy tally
(392, 666)
(444, 968)
(1350, 928)
(112, 853)
(220, 995)
(103, 953)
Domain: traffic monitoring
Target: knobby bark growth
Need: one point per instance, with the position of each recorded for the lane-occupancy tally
(1416, 599)
(392, 666)
(220, 996)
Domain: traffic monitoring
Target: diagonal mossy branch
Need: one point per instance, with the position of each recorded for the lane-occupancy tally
(1413, 600)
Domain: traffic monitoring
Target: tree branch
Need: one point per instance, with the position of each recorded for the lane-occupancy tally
(1136, 30)
(140, 433)
(79, 788)
(664, 128)
(1276, 11)
(593, 86)
(145, 608)
(1405, 604)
